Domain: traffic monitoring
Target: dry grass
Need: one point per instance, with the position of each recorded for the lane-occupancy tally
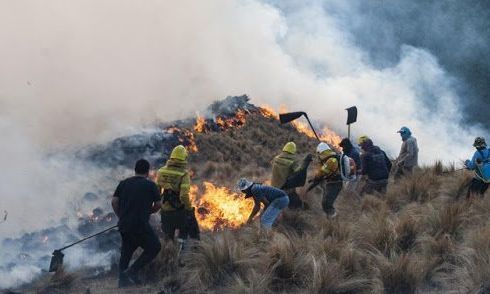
(423, 236)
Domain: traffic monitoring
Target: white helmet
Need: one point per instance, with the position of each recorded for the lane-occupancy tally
(243, 184)
(322, 147)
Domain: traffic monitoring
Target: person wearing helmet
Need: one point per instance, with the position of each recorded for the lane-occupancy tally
(177, 211)
(480, 163)
(274, 200)
(409, 153)
(328, 175)
(375, 165)
(286, 169)
(353, 152)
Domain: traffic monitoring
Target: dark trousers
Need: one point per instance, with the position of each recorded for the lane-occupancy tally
(294, 201)
(330, 193)
(478, 187)
(184, 221)
(146, 239)
(403, 171)
(374, 186)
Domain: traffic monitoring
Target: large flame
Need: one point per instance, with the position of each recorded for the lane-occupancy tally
(200, 126)
(219, 208)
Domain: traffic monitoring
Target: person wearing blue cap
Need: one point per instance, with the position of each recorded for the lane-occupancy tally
(273, 199)
(409, 153)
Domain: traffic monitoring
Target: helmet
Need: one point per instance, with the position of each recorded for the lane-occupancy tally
(480, 142)
(243, 184)
(362, 139)
(322, 147)
(290, 147)
(179, 153)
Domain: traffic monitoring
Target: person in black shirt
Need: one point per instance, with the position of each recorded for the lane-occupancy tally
(134, 200)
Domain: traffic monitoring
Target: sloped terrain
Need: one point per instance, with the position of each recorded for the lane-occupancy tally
(423, 236)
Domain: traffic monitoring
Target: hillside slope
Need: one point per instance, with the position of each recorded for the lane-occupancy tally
(423, 236)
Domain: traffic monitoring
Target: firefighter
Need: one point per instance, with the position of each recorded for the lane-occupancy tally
(329, 177)
(285, 166)
(177, 211)
(480, 163)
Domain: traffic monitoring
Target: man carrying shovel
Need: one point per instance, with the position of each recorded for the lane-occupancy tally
(134, 200)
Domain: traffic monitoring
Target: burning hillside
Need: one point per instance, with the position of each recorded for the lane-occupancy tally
(421, 237)
(232, 138)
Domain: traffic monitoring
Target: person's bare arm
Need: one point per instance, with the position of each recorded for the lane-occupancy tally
(254, 212)
(156, 206)
(115, 205)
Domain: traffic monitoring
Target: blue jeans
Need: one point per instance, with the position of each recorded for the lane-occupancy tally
(273, 210)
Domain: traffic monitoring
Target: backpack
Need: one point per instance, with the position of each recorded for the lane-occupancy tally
(483, 167)
(348, 169)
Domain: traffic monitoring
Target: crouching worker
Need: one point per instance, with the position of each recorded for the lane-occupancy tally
(134, 200)
(274, 201)
(177, 212)
(480, 163)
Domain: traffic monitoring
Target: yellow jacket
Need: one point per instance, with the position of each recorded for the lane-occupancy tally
(283, 165)
(329, 168)
(174, 176)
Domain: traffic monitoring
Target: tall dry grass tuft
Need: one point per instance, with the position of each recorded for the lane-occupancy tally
(403, 273)
(473, 273)
(407, 231)
(449, 219)
(422, 186)
(376, 232)
(216, 261)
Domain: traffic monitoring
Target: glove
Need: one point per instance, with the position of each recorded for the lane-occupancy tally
(309, 158)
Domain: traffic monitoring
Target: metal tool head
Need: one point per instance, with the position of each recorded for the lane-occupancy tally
(56, 261)
(287, 117)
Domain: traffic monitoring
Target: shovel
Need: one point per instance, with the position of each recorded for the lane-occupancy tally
(288, 117)
(57, 258)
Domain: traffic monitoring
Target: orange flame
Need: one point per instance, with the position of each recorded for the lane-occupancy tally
(325, 134)
(236, 121)
(219, 208)
(187, 137)
(268, 111)
(200, 126)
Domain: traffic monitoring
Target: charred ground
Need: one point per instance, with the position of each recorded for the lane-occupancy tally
(422, 236)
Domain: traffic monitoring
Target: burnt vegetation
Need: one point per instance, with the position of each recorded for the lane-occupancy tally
(423, 236)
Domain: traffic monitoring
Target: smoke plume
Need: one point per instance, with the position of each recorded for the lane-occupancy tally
(83, 72)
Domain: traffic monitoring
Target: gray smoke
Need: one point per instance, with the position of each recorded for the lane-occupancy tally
(456, 32)
(79, 73)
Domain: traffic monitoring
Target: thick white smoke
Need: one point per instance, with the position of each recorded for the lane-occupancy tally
(81, 72)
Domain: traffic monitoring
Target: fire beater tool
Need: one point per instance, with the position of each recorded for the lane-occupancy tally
(351, 118)
(57, 258)
(288, 117)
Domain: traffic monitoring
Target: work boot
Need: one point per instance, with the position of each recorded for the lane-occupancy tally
(125, 280)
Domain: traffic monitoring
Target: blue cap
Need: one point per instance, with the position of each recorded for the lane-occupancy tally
(404, 130)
